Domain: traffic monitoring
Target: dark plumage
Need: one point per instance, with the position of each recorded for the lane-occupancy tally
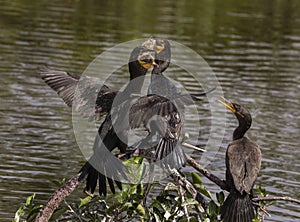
(162, 85)
(243, 160)
(156, 112)
(65, 84)
(103, 165)
(162, 119)
(170, 102)
(90, 90)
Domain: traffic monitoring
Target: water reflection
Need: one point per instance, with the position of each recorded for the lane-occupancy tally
(253, 48)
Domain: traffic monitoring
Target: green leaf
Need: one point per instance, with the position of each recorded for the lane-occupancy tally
(190, 201)
(140, 210)
(157, 214)
(33, 213)
(84, 201)
(193, 219)
(212, 209)
(56, 183)
(19, 214)
(204, 191)
(220, 197)
(261, 191)
(196, 178)
(126, 206)
(139, 189)
(58, 213)
(29, 200)
(59, 183)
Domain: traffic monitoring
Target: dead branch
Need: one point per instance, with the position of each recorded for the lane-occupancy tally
(188, 187)
(274, 198)
(209, 175)
(65, 190)
(56, 198)
(224, 186)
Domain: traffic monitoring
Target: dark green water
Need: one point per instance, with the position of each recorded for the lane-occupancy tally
(252, 46)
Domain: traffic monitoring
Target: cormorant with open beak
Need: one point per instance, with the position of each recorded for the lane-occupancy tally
(65, 84)
(243, 161)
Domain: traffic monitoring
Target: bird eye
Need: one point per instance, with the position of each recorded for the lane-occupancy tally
(237, 107)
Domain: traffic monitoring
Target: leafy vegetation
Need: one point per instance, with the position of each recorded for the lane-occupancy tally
(171, 204)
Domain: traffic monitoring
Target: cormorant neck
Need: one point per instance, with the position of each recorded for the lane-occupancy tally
(241, 130)
(135, 85)
(137, 76)
(136, 70)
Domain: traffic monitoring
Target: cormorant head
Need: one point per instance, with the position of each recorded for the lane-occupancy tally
(162, 50)
(141, 59)
(242, 114)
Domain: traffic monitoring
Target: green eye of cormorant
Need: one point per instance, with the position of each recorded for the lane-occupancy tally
(236, 106)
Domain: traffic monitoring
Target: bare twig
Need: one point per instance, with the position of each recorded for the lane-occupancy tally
(181, 192)
(208, 174)
(57, 197)
(188, 187)
(270, 198)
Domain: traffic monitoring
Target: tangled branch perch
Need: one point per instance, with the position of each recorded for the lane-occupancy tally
(209, 175)
(271, 198)
(65, 190)
(183, 182)
(224, 186)
(57, 197)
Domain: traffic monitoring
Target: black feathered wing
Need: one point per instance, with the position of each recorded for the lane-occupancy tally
(103, 165)
(160, 116)
(63, 83)
(87, 95)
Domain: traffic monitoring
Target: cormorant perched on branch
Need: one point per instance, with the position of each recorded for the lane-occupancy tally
(170, 103)
(140, 61)
(243, 160)
(108, 137)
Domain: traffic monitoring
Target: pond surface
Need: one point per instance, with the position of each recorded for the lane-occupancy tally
(252, 47)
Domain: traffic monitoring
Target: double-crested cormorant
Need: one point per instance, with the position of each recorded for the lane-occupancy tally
(141, 60)
(171, 105)
(108, 137)
(161, 102)
(243, 160)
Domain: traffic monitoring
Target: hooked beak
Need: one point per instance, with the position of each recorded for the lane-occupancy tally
(154, 64)
(153, 61)
(159, 48)
(227, 104)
